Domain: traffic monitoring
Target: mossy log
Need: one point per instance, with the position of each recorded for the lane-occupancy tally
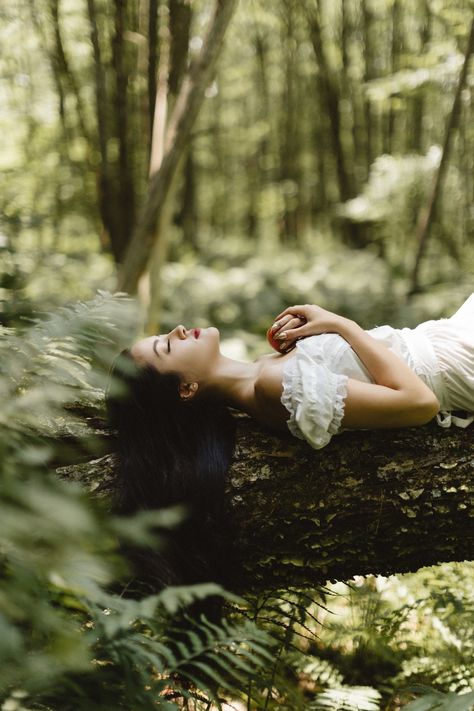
(386, 501)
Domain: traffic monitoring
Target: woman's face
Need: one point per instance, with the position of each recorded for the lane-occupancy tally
(190, 353)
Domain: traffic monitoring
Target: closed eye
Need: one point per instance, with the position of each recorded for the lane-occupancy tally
(156, 343)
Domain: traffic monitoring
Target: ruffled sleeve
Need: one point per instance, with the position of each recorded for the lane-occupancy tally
(315, 398)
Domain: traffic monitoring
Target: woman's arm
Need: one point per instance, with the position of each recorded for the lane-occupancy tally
(398, 398)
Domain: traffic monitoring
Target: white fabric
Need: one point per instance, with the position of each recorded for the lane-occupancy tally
(440, 352)
(314, 396)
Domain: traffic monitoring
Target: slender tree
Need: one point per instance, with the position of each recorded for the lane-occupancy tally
(289, 147)
(396, 49)
(105, 188)
(125, 203)
(418, 104)
(427, 213)
(329, 101)
(153, 58)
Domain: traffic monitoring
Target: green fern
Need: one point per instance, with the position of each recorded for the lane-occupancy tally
(66, 643)
(347, 698)
(319, 671)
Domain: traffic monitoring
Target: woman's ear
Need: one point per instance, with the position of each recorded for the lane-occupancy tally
(187, 391)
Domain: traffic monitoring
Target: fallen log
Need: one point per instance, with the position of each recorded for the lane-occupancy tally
(386, 501)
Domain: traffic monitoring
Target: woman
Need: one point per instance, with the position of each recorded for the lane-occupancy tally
(175, 435)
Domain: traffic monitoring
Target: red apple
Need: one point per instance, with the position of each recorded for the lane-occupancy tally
(273, 341)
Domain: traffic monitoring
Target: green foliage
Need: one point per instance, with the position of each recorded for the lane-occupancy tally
(331, 692)
(373, 643)
(395, 190)
(66, 640)
(391, 200)
(436, 701)
(404, 630)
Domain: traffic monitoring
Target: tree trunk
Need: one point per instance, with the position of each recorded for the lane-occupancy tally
(367, 24)
(62, 69)
(181, 122)
(125, 204)
(289, 176)
(188, 215)
(396, 52)
(180, 28)
(416, 134)
(105, 191)
(329, 92)
(153, 58)
(330, 100)
(386, 501)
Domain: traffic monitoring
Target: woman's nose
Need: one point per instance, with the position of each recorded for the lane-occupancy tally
(180, 331)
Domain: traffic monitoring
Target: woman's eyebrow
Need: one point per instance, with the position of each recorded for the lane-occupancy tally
(155, 343)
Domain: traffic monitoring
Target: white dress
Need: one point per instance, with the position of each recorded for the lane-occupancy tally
(440, 352)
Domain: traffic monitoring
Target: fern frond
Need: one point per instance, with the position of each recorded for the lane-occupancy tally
(348, 698)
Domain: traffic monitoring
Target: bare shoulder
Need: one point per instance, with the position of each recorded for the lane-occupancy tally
(267, 357)
(268, 391)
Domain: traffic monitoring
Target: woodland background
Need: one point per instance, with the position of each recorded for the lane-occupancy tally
(326, 155)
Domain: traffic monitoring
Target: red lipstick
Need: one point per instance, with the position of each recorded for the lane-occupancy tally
(197, 332)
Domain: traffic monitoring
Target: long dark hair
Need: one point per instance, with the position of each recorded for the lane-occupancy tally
(172, 452)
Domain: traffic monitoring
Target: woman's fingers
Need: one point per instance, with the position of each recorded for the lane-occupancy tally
(287, 327)
(297, 310)
(284, 326)
(287, 321)
(288, 335)
(291, 333)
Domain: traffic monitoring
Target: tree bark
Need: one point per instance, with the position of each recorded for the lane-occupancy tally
(387, 501)
(180, 28)
(181, 122)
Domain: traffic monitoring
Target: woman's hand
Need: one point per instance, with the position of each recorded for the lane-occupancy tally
(300, 321)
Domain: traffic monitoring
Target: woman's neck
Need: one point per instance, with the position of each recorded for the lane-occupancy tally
(233, 383)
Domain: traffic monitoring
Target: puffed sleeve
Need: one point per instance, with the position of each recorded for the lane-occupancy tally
(315, 397)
